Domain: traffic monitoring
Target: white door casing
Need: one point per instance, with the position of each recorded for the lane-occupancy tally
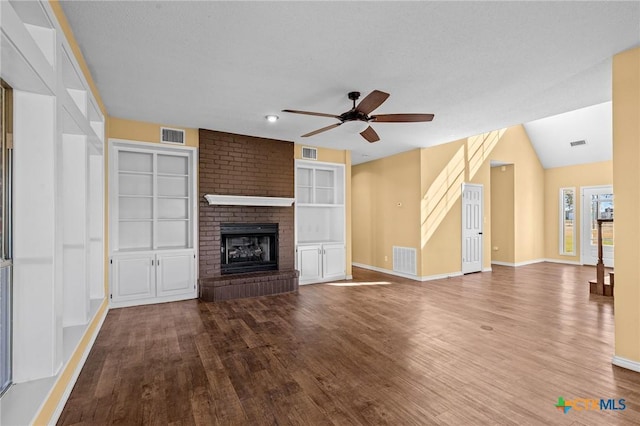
(472, 218)
(593, 196)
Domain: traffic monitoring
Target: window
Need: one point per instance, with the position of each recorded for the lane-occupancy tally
(567, 221)
(6, 131)
(602, 208)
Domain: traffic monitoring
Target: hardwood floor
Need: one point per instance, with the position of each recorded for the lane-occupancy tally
(490, 348)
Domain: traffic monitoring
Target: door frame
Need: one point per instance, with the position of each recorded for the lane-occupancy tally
(462, 217)
(585, 219)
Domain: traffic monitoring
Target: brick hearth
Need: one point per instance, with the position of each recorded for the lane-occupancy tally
(243, 165)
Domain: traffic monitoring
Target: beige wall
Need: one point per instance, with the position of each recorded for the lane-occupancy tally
(515, 148)
(442, 170)
(379, 186)
(120, 128)
(341, 157)
(591, 174)
(626, 183)
(502, 214)
(386, 208)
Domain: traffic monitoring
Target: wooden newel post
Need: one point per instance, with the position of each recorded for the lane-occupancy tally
(600, 265)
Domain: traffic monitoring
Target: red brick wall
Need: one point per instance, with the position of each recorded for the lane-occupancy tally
(231, 164)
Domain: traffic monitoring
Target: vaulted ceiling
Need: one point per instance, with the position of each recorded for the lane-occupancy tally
(478, 66)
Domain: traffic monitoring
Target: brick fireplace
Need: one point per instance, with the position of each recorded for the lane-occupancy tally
(241, 165)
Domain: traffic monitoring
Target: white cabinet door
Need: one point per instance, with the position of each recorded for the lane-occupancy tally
(333, 261)
(309, 263)
(175, 273)
(133, 277)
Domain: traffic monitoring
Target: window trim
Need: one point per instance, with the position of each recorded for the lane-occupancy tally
(561, 223)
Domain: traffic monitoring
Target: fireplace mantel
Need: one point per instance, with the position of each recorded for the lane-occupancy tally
(242, 200)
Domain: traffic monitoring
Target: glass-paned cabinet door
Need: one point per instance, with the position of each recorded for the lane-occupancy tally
(135, 200)
(325, 186)
(135, 235)
(154, 193)
(304, 183)
(173, 165)
(133, 161)
(173, 201)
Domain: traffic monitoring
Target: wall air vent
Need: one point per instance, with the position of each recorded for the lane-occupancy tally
(404, 260)
(309, 153)
(168, 135)
(577, 143)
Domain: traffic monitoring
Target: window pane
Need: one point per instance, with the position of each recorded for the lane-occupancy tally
(173, 164)
(5, 327)
(602, 208)
(135, 162)
(567, 215)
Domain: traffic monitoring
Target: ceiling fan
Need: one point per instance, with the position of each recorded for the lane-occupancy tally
(361, 113)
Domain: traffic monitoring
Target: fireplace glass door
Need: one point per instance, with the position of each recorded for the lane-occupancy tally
(248, 248)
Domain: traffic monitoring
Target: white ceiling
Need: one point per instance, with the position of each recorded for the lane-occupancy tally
(551, 136)
(478, 66)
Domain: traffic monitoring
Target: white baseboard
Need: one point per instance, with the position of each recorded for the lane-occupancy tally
(489, 269)
(564, 262)
(153, 300)
(411, 277)
(515, 265)
(323, 280)
(626, 363)
(74, 377)
(385, 271)
(349, 277)
(496, 262)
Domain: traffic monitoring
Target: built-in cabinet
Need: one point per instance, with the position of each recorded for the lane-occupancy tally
(152, 223)
(320, 221)
(148, 275)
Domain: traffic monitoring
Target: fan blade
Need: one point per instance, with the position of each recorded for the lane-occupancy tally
(324, 129)
(401, 118)
(372, 101)
(370, 134)
(319, 114)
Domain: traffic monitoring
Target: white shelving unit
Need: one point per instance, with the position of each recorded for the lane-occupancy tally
(57, 203)
(320, 221)
(152, 226)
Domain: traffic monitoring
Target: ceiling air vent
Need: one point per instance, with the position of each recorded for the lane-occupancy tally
(577, 143)
(309, 153)
(168, 135)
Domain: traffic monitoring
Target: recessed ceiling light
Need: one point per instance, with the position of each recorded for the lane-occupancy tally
(271, 118)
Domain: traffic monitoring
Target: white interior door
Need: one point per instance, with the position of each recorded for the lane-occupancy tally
(472, 197)
(597, 203)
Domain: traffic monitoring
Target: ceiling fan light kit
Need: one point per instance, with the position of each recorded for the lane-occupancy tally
(359, 115)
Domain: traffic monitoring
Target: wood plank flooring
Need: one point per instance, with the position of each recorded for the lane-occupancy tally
(379, 350)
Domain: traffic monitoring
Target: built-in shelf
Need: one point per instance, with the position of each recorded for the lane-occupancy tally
(241, 200)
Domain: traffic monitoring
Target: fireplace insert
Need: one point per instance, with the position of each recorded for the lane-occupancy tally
(248, 247)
